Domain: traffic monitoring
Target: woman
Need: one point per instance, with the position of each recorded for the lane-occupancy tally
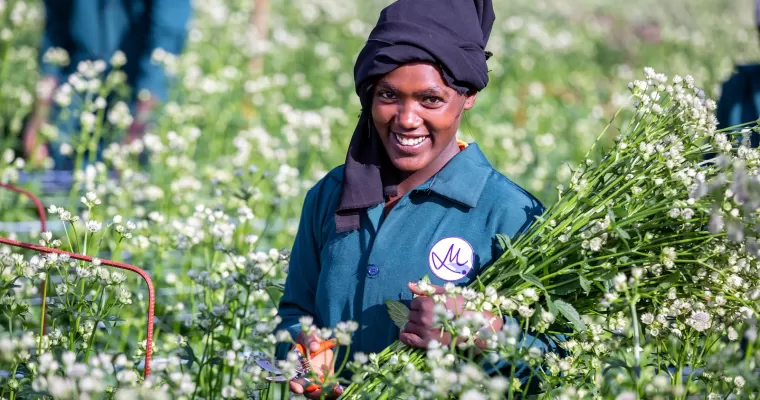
(410, 200)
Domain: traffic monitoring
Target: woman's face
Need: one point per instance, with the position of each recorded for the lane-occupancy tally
(417, 115)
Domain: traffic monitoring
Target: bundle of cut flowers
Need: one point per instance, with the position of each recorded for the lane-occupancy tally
(642, 273)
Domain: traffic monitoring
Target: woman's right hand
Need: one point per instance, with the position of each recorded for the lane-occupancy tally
(321, 364)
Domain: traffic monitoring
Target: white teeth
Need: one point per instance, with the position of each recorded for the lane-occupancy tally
(410, 142)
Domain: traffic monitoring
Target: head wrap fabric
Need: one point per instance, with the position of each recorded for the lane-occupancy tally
(449, 33)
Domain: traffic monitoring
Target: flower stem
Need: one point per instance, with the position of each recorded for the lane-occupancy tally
(42, 315)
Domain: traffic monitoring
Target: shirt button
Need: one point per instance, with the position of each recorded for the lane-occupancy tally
(372, 270)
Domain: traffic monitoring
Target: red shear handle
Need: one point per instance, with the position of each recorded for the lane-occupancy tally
(313, 387)
(324, 346)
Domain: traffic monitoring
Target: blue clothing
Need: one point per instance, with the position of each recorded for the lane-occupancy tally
(336, 277)
(740, 99)
(95, 30)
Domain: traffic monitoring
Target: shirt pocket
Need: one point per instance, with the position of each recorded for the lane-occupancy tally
(406, 297)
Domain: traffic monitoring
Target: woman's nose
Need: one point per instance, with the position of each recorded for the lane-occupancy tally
(407, 118)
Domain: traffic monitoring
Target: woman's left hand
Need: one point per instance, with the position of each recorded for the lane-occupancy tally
(419, 330)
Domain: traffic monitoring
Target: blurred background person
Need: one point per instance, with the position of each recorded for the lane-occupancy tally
(96, 30)
(739, 101)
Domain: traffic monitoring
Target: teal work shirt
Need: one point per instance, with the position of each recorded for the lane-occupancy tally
(337, 277)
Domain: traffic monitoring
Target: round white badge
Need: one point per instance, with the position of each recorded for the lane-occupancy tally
(451, 258)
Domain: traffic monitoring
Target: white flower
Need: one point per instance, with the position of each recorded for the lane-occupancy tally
(306, 322)
(361, 358)
(118, 59)
(426, 287)
(530, 294)
(87, 119)
(229, 392)
(668, 256)
(647, 318)
(595, 244)
(547, 317)
(94, 226)
(525, 311)
(620, 282)
(626, 396)
(472, 395)
(498, 384)
(699, 321)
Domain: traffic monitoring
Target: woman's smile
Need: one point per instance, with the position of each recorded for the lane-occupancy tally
(410, 144)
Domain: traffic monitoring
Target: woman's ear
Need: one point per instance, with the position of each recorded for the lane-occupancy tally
(469, 101)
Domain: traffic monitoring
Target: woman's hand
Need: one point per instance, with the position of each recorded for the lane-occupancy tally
(419, 331)
(321, 364)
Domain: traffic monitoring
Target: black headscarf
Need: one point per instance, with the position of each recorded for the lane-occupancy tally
(449, 33)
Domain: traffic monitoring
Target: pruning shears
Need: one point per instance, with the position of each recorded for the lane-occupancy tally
(302, 369)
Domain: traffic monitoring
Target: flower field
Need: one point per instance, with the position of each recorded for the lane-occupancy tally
(645, 265)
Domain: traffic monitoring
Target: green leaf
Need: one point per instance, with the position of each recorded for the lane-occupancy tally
(190, 355)
(278, 284)
(532, 279)
(398, 312)
(503, 241)
(614, 362)
(623, 234)
(611, 214)
(552, 308)
(506, 244)
(585, 283)
(571, 314)
(608, 274)
(567, 288)
(223, 339)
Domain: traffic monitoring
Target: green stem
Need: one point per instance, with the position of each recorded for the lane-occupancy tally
(95, 327)
(42, 315)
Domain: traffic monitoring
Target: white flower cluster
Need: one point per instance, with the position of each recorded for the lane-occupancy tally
(10, 166)
(66, 378)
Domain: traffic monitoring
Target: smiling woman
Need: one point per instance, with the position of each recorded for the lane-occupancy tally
(417, 117)
(411, 200)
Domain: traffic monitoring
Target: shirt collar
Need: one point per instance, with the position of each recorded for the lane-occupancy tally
(462, 179)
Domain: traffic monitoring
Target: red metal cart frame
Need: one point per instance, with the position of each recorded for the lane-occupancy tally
(115, 264)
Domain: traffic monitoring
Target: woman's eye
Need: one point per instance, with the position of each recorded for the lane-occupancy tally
(433, 100)
(386, 95)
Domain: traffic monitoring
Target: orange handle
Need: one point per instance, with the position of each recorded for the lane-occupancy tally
(337, 389)
(324, 346)
(311, 386)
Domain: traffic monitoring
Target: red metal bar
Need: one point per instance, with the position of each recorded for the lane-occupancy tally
(34, 199)
(43, 228)
(115, 264)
